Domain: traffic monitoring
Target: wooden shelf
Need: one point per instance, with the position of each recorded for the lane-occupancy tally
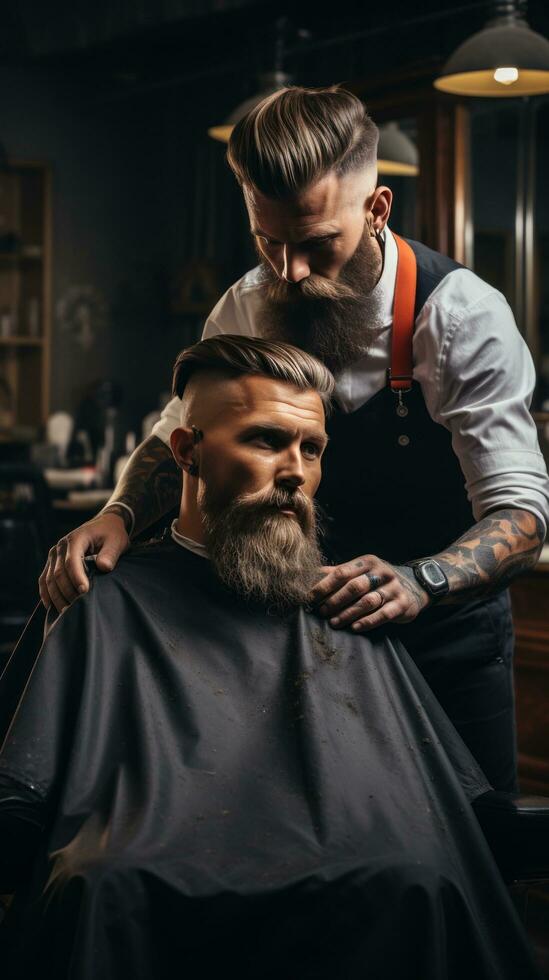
(25, 295)
(21, 341)
(23, 255)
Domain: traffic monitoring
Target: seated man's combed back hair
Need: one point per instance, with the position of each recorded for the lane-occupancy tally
(233, 355)
(297, 135)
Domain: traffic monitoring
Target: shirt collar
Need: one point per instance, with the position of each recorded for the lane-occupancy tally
(188, 543)
(384, 290)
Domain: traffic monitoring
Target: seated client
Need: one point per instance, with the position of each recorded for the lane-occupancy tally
(199, 776)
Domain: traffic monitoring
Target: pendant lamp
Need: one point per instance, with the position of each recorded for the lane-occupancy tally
(397, 154)
(269, 82)
(506, 59)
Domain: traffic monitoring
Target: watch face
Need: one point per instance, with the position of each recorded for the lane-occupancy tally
(433, 576)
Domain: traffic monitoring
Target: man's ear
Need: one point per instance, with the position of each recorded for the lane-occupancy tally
(379, 205)
(182, 442)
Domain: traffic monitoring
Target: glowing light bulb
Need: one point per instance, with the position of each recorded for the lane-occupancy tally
(506, 76)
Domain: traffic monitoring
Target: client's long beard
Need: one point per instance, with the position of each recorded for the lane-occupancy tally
(332, 319)
(260, 553)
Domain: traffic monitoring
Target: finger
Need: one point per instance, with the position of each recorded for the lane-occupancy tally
(367, 605)
(62, 574)
(56, 597)
(77, 549)
(349, 595)
(107, 557)
(339, 576)
(389, 611)
(42, 587)
(323, 584)
(61, 579)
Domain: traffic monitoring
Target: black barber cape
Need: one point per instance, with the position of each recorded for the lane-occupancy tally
(234, 793)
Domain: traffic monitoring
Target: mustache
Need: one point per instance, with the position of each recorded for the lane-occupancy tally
(262, 503)
(314, 287)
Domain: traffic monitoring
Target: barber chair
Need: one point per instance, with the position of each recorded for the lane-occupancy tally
(517, 830)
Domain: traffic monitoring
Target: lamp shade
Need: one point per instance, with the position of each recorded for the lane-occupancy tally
(505, 59)
(397, 154)
(269, 82)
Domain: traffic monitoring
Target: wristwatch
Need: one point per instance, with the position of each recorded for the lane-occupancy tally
(430, 576)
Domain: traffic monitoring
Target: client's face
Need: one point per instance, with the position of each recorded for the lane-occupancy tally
(259, 468)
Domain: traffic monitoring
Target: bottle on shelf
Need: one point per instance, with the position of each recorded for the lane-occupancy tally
(122, 460)
(33, 316)
(6, 323)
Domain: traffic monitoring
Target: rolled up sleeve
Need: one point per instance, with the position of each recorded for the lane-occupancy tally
(170, 418)
(481, 391)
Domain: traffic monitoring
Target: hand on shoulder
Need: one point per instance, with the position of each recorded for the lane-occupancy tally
(64, 577)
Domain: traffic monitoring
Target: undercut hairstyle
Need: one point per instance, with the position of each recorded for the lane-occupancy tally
(232, 356)
(296, 136)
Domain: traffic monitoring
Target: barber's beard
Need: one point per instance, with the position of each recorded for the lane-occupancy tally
(334, 319)
(261, 554)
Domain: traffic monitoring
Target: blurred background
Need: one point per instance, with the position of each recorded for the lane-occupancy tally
(121, 224)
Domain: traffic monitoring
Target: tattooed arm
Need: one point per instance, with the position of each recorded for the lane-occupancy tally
(368, 592)
(149, 487)
(492, 553)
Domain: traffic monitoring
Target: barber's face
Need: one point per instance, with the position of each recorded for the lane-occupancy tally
(321, 263)
(266, 436)
(318, 231)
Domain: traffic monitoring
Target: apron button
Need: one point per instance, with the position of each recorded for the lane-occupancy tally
(402, 411)
(403, 440)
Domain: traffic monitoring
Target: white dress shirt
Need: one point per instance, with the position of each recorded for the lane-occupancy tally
(189, 543)
(474, 368)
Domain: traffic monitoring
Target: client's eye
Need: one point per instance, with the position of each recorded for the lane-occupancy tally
(266, 439)
(310, 449)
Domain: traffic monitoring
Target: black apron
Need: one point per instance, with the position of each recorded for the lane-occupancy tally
(392, 486)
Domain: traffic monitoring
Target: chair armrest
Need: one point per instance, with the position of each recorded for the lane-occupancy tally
(516, 828)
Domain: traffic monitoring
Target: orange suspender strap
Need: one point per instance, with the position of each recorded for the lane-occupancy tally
(400, 372)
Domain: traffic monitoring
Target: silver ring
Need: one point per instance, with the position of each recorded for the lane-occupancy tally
(382, 599)
(374, 581)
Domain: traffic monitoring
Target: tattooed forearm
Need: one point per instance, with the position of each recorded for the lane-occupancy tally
(492, 553)
(150, 484)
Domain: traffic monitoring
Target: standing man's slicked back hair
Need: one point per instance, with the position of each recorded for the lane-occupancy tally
(297, 135)
(233, 355)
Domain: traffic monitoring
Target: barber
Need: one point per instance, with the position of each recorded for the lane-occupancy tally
(435, 493)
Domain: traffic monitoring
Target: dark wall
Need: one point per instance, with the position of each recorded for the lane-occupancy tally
(94, 214)
(192, 242)
(140, 195)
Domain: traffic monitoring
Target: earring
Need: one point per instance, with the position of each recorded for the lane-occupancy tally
(192, 469)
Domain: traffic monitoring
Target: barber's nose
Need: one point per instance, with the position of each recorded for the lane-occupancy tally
(295, 266)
